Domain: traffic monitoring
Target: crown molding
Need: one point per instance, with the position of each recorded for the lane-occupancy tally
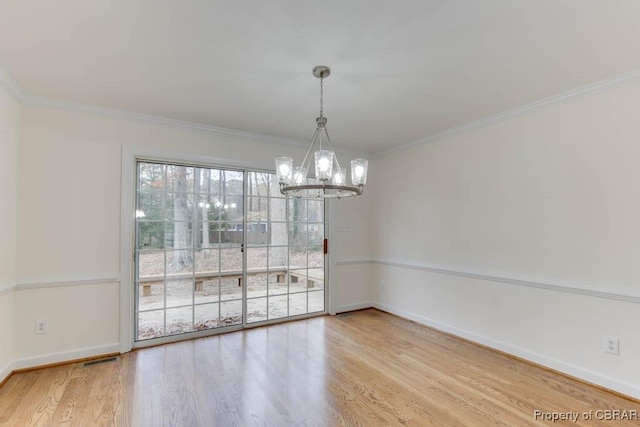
(590, 89)
(43, 102)
(11, 86)
(39, 101)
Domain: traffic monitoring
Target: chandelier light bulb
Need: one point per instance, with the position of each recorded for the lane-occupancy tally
(359, 171)
(284, 169)
(299, 175)
(339, 177)
(324, 164)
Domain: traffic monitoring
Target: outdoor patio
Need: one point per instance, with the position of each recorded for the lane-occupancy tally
(218, 302)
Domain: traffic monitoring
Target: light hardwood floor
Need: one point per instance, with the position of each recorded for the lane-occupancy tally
(367, 368)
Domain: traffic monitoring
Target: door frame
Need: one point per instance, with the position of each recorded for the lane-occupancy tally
(130, 156)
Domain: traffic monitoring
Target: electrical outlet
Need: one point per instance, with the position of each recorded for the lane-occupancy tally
(612, 345)
(41, 327)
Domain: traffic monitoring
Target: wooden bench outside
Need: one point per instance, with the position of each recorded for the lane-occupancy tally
(312, 276)
(201, 277)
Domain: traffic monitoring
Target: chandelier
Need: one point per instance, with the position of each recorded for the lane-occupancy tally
(330, 178)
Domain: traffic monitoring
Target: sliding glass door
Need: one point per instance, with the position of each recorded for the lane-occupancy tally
(285, 258)
(218, 248)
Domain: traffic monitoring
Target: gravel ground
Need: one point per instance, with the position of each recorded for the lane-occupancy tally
(227, 258)
(219, 303)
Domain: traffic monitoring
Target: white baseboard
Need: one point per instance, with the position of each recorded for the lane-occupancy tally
(64, 356)
(5, 371)
(353, 307)
(631, 390)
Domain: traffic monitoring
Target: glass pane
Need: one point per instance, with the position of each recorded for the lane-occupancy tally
(258, 233)
(150, 235)
(231, 182)
(215, 212)
(151, 295)
(297, 233)
(179, 207)
(279, 235)
(233, 205)
(206, 229)
(298, 280)
(315, 211)
(179, 320)
(231, 234)
(179, 263)
(178, 235)
(206, 316)
(278, 284)
(231, 260)
(230, 313)
(150, 177)
(258, 184)
(179, 292)
(210, 181)
(207, 261)
(278, 306)
(316, 301)
(150, 324)
(231, 287)
(150, 206)
(297, 304)
(256, 259)
(257, 209)
(179, 179)
(297, 256)
(315, 234)
(316, 256)
(278, 258)
(257, 285)
(278, 209)
(297, 210)
(256, 310)
(150, 264)
(315, 278)
(207, 289)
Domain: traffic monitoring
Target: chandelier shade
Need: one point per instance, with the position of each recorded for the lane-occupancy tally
(329, 180)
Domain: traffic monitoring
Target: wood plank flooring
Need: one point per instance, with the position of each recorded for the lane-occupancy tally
(367, 368)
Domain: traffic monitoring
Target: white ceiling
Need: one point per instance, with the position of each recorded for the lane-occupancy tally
(401, 70)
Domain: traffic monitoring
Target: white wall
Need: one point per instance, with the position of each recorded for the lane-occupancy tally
(68, 262)
(9, 133)
(522, 234)
(351, 247)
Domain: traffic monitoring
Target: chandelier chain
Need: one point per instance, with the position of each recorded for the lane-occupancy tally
(321, 94)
